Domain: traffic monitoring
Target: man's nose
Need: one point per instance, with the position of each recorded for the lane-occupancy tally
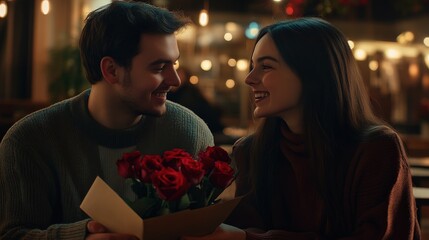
(173, 78)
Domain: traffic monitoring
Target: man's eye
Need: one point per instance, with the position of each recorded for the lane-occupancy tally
(159, 68)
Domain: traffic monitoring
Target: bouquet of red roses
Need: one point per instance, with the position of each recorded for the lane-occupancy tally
(175, 181)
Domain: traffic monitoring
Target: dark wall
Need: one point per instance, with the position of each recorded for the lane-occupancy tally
(16, 68)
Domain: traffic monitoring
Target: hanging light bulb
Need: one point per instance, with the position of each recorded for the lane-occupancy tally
(204, 18)
(204, 14)
(3, 9)
(45, 7)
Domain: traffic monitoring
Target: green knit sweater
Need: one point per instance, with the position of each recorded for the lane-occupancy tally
(50, 158)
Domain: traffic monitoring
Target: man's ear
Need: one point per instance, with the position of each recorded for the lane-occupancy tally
(109, 69)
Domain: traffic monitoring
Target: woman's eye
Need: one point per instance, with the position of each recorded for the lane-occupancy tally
(266, 67)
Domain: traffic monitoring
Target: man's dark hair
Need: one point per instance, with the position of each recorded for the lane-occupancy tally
(115, 30)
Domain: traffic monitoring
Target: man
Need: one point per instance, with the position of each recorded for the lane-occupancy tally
(49, 159)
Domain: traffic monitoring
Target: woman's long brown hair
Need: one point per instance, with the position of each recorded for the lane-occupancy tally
(336, 112)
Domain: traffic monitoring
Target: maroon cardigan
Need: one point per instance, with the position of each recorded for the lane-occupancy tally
(378, 200)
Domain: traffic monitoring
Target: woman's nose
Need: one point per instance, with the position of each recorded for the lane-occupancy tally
(251, 78)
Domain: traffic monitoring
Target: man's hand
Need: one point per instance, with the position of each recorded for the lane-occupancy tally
(96, 231)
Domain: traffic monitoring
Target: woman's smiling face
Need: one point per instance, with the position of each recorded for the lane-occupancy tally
(277, 89)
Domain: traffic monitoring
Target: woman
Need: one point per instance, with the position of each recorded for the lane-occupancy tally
(320, 165)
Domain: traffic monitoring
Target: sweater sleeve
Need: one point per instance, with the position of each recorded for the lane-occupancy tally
(378, 197)
(28, 196)
(380, 191)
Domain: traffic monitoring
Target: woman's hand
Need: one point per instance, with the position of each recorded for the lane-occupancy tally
(98, 231)
(223, 232)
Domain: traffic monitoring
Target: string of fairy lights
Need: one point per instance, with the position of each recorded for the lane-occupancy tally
(405, 44)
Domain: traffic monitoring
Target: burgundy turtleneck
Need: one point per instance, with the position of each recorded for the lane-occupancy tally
(297, 181)
(378, 199)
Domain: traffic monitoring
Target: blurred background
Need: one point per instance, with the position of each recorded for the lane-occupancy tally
(40, 64)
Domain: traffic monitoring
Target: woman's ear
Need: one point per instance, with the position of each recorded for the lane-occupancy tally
(109, 70)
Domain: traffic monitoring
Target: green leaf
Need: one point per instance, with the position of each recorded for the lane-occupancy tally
(129, 181)
(184, 202)
(163, 211)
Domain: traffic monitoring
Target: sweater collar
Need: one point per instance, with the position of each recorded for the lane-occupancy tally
(291, 141)
(111, 138)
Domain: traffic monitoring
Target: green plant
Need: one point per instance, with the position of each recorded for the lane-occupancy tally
(66, 73)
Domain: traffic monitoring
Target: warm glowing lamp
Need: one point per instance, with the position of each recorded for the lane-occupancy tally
(392, 53)
(373, 65)
(204, 18)
(426, 41)
(3, 9)
(242, 64)
(227, 36)
(360, 54)
(230, 83)
(232, 62)
(194, 79)
(206, 65)
(414, 70)
(45, 7)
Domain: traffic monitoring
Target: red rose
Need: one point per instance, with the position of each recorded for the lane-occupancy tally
(169, 184)
(212, 154)
(127, 164)
(193, 170)
(148, 165)
(172, 158)
(222, 175)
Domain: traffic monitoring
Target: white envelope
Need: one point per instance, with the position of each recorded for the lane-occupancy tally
(105, 206)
